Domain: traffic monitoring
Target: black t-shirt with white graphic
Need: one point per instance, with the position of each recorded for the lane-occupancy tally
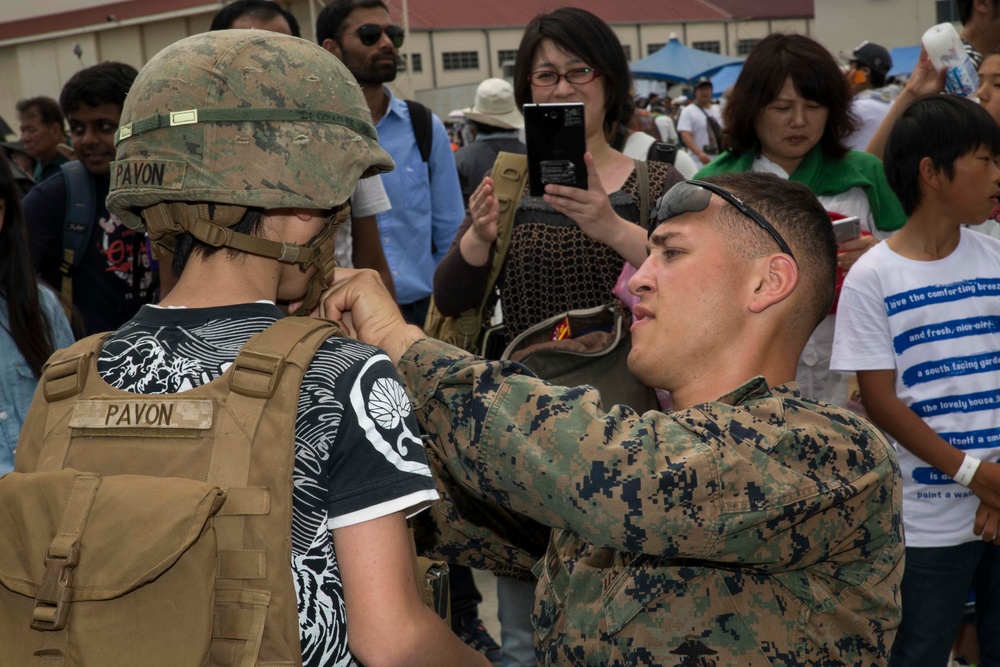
(357, 455)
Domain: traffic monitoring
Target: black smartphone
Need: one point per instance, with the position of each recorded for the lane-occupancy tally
(556, 141)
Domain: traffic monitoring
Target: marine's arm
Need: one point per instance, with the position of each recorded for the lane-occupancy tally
(667, 484)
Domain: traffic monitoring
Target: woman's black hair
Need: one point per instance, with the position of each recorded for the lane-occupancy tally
(815, 75)
(586, 36)
(29, 327)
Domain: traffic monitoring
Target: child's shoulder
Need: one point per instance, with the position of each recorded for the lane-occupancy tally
(879, 259)
(345, 360)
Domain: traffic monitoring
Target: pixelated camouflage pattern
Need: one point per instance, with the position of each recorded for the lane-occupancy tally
(266, 164)
(759, 529)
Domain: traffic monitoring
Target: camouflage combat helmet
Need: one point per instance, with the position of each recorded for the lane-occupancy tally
(226, 120)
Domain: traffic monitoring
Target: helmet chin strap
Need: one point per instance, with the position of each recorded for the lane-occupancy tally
(211, 224)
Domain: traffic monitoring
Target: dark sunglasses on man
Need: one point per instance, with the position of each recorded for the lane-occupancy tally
(694, 196)
(370, 33)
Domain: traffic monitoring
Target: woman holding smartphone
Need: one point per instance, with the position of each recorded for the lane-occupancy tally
(568, 246)
(789, 114)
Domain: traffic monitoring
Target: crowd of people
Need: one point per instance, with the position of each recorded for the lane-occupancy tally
(815, 481)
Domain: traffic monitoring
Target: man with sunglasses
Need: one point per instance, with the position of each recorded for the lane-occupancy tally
(426, 198)
(750, 526)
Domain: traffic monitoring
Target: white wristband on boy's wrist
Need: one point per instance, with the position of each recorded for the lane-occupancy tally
(967, 470)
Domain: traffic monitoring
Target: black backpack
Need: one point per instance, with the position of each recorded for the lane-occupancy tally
(423, 128)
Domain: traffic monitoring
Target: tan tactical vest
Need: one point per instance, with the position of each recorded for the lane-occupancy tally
(155, 530)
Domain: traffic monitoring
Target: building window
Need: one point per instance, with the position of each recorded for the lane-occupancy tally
(711, 47)
(947, 10)
(745, 46)
(653, 48)
(461, 60)
(405, 59)
(628, 51)
(506, 56)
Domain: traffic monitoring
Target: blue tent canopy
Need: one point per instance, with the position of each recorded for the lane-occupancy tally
(724, 78)
(904, 59)
(676, 62)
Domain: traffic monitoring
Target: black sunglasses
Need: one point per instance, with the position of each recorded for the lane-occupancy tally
(694, 196)
(370, 33)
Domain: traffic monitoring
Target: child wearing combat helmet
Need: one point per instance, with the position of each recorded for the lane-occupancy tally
(237, 153)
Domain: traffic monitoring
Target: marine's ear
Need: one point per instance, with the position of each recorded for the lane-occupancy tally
(776, 279)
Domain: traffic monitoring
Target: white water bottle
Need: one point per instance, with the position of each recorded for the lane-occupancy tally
(946, 49)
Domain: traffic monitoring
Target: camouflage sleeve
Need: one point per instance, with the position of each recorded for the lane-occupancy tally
(699, 483)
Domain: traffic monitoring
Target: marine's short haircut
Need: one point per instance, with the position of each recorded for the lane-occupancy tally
(330, 20)
(48, 110)
(262, 10)
(586, 36)
(942, 128)
(797, 215)
(815, 75)
(106, 83)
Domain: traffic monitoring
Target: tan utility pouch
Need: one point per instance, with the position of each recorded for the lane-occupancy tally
(96, 550)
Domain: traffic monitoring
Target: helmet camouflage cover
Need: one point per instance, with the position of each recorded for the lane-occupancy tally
(241, 117)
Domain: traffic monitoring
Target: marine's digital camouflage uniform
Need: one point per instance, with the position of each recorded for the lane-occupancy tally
(759, 529)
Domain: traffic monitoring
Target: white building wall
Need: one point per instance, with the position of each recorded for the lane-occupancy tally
(843, 24)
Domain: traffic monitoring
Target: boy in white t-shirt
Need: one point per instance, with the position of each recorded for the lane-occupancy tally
(919, 321)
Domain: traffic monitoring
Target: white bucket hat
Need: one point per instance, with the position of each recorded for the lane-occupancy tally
(495, 105)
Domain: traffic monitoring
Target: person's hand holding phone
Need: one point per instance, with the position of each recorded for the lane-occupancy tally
(590, 209)
(849, 252)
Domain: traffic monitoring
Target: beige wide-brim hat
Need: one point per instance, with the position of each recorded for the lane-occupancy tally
(495, 106)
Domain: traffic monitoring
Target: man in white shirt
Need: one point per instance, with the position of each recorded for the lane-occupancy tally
(700, 124)
(869, 64)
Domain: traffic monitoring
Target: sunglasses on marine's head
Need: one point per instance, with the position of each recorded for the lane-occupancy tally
(694, 196)
(370, 33)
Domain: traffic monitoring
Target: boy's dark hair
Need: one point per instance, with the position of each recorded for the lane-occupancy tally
(106, 83)
(334, 14)
(257, 9)
(586, 36)
(794, 211)
(187, 245)
(48, 110)
(942, 128)
(815, 75)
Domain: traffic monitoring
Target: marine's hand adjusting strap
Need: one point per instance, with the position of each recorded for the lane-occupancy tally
(193, 116)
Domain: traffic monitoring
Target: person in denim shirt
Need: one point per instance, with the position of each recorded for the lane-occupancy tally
(32, 323)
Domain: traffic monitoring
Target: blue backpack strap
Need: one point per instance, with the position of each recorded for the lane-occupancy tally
(81, 205)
